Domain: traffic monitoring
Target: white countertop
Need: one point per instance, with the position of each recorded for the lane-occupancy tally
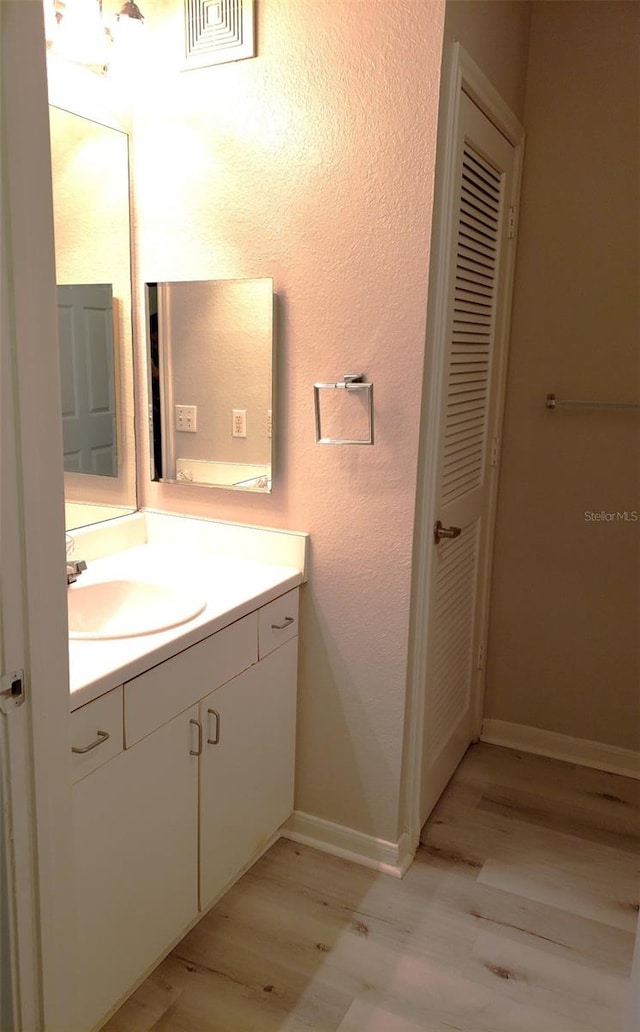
(232, 586)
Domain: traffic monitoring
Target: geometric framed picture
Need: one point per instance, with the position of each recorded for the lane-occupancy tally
(216, 31)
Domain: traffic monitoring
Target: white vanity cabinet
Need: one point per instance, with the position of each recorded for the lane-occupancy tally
(200, 783)
(135, 822)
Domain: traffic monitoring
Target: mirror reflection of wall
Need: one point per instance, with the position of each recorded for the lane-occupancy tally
(90, 171)
(210, 360)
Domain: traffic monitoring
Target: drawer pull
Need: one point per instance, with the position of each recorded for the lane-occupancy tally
(198, 751)
(288, 620)
(216, 739)
(102, 737)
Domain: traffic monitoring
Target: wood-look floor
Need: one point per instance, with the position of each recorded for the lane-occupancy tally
(517, 914)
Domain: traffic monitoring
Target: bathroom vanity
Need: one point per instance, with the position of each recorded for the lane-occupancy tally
(183, 761)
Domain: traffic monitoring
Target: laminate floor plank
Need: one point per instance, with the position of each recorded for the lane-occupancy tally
(490, 765)
(562, 933)
(574, 891)
(212, 1002)
(342, 949)
(490, 833)
(368, 1015)
(561, 985)
(147, 1005)
(517, 915)
(607, 824)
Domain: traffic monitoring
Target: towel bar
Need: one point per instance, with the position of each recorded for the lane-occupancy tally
(350, 382)
(553, 402)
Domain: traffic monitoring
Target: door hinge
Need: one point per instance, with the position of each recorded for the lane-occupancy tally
(480, 663)
(12, 691)
(511, 222)
(495, 451)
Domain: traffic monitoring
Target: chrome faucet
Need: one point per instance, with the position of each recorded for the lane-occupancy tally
(74, 566)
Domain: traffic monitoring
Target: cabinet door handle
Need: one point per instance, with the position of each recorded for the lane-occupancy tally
(216, 739)
(288, 620)
(102, 737)
(198, 751)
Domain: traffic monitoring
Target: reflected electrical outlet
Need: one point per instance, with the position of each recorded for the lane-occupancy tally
(239, 423)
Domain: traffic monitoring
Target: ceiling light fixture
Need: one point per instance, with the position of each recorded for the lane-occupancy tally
(130, 10)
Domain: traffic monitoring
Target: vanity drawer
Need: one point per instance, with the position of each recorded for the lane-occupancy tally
(96, 733)
(159, 694)
(277, 622)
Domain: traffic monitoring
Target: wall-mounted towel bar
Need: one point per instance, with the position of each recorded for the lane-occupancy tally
(553, 402)
(350, 382)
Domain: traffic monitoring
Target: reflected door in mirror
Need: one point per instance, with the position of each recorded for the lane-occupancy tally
(85, 330)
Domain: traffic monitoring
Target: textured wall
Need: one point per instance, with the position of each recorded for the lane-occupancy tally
(313, 164)
(563, 651)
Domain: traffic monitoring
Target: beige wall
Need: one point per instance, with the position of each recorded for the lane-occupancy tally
(313, 164)
(563, 650)
(495, 33)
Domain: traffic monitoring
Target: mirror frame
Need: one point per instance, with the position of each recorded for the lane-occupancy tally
(257, 477)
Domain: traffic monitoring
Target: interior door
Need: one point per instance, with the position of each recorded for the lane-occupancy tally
(472, 350)
(85, 330)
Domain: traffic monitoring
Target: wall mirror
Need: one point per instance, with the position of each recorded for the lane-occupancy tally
(210, 350)
(90, 175)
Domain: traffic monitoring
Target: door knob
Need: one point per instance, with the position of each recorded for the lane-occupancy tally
(440, 532)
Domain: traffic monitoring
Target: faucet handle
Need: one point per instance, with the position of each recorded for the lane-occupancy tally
(75, 567)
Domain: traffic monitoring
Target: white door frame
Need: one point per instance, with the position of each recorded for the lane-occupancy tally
(36, 769)
(460, 74)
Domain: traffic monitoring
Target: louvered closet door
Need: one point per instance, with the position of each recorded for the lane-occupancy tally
(467, 419)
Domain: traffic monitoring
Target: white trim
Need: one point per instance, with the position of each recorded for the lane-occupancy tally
(459, 73)
(389, 857)
(21, 968)
(38, 588)
(19, 905)
(632, 1023)
(482, 92)
(599, 755)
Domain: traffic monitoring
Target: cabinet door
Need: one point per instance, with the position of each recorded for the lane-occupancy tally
(135, 863)
(247, 767)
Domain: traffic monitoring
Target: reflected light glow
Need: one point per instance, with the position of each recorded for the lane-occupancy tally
(82, 32)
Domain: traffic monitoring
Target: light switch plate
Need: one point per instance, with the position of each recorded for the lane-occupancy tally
(187, 418)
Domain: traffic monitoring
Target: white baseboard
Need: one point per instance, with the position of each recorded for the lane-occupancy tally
(389, 857)
(611, 758)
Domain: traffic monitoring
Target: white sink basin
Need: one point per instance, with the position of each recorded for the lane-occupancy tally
(127, 608)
